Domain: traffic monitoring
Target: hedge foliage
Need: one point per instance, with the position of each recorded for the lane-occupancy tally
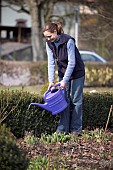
(15, 114)
(20, 119)
(99, 74)
(11, 156)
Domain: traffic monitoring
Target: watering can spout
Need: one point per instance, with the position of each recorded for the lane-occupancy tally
(44, 106)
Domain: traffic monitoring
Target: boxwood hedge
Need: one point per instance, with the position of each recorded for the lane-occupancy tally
(15, 114)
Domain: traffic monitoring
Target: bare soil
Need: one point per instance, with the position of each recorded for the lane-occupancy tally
(82, 153)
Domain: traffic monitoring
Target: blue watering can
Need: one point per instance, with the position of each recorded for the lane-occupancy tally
(54, 100)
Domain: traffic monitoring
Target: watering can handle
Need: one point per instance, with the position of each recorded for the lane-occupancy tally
(58, 84)
(49, 90)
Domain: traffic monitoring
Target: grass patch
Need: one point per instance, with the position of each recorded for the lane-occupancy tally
(32, 89)
(37, 89)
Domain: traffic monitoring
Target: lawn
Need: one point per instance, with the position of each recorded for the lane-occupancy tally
(37, 89)
(32, 89)
(98, 89)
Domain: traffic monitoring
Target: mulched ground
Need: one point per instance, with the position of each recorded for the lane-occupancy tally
(82, 153)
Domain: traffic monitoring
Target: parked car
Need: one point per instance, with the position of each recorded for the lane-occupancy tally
(89, 56)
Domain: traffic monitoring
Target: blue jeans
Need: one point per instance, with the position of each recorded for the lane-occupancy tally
(71, 121)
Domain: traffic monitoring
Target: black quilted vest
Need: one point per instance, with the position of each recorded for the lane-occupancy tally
(61, 55)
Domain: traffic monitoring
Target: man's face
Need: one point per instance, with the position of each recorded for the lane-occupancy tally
(51, 36)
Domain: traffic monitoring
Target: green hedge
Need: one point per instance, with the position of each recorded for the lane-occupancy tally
(96, 107)
(20, 119)
(15, 114)
(99, 74)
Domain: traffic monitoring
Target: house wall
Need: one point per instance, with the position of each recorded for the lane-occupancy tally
(67, 16)
(9, 16)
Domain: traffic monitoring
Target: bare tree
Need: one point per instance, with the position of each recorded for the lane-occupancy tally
(35, 10)
(37, 43)
(95, 28)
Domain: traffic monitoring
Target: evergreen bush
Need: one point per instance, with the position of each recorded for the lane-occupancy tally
(96, 108)
(11, 156)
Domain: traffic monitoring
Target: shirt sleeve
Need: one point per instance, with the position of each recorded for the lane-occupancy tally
(71, 60)
(51, 64)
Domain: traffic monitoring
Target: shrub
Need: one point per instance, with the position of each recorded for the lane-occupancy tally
(11, 156)
(21, 119)
(99, 74)
(96, 107)
(44, 89)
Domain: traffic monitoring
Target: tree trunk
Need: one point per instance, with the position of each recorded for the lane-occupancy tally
(36, 37)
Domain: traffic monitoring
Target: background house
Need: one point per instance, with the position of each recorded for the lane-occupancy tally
(9, 16)
(13, 25)
(94, 29)
(15, 33)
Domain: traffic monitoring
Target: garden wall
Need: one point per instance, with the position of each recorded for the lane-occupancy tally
(13, 73)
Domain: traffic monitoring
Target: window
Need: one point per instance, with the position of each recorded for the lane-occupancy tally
(3, 34)
(90, 58)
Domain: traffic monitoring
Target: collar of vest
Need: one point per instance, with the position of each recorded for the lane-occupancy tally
(63, 39)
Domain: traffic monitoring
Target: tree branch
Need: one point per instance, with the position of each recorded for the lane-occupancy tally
(22, 9)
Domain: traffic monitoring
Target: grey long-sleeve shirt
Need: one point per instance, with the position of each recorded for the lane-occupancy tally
(71, 62)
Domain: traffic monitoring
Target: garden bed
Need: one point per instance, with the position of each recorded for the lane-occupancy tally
(91, 150)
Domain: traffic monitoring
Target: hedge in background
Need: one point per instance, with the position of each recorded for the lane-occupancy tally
(99, 74)
(15, 114)
(33, 73)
